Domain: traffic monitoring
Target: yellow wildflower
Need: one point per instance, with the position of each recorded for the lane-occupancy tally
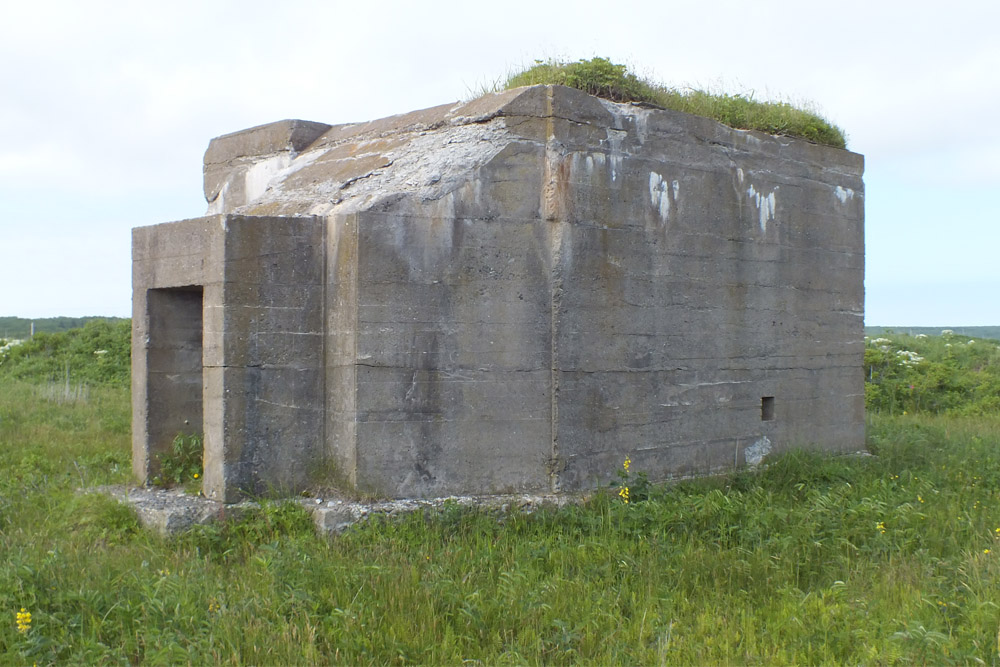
(23, 620)
(623, 492)
(627, 463)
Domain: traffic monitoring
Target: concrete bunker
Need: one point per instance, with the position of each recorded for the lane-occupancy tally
(505, 295)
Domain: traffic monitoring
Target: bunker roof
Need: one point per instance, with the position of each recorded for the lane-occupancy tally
(296, 167)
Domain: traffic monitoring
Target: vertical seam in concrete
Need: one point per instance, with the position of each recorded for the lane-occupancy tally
(140, 394)
(550, 214)
(355, 317)
(325, 249)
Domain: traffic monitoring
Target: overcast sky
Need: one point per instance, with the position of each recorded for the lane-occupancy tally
(106, 109)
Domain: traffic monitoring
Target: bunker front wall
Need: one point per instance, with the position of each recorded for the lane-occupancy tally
(647, 284)
(454, 347)
(246, 369)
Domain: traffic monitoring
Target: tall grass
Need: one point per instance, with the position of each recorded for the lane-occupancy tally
(603, 78)
(887, 559)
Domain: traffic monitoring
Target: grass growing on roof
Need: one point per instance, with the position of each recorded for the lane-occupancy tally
(603, 78)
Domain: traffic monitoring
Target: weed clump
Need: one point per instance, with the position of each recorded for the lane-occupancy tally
(183, 464)
(597, 76)
(632, 487)
(603, 78)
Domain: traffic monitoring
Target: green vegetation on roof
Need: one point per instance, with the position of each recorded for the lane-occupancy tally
(603, 78)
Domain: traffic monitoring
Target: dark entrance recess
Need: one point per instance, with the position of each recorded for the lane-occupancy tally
(174, 366)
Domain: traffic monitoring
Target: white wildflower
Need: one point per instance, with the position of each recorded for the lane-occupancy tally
(9, 344)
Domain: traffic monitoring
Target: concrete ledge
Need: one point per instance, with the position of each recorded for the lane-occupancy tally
(169, 512)
(335, 516)
(172, 511)
(284, 135)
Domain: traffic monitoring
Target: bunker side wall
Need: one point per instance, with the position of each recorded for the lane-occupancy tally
(703, 270)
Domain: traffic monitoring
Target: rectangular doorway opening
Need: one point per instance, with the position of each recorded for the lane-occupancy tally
(767, 408)
(174, 369)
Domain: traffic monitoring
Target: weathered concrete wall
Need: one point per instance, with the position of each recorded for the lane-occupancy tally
(516, 293)
(253, 290)
(454, 353)
(169, 262)
(273, 377)
(701, 270)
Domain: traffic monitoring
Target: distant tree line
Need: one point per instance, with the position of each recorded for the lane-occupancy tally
(19, 328)
(98, 353)
(975, 332)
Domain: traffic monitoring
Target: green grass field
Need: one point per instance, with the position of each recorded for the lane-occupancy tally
(814, 560)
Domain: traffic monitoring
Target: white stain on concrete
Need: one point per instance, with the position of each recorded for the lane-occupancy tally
(641, 123)
(260, 175)
(615, 138)
(616, 165)
(594, 164)
(843, 194)
(659, 196)
(756, 452)
(765, 205)
(218, 205)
